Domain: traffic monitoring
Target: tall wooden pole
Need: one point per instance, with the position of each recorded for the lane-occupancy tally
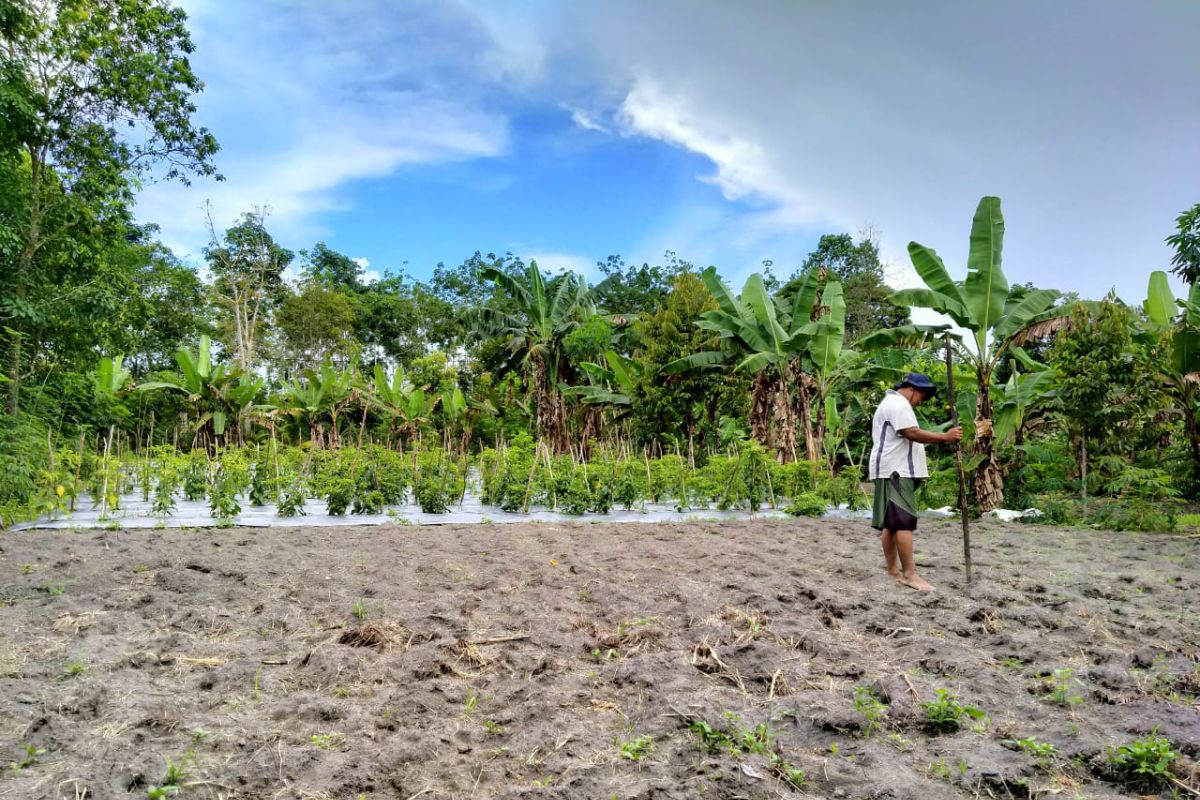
(962, 481)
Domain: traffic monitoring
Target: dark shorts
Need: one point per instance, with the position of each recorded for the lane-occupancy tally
(896, 518)
(895, 504)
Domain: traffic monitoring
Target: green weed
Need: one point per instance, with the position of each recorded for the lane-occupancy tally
(28, 760)
(1143, 763)
(327, 741)
(945, 714)
(1059, 684)
(637, 749)
(872, 708)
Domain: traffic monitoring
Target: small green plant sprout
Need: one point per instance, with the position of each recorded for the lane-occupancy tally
(359, 610)
(939, 770)
(199, 735)
(787, 772)
(872, 708)
(75, 669)
(945, 714)
(54, 589)
(28, 760)
(471, 702)
(637, 749)
(1042, 751)
(1144, 763)
(1059, 685)
(493, 727)
(172, 782)
(327, 741)
(713, 740)
(27, 569)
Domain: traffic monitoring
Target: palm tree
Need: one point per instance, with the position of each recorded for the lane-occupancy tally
(996, 317)
(542, 314)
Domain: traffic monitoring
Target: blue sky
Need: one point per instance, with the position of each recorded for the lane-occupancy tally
(408, 133)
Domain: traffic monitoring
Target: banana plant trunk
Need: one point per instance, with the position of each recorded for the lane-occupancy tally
(812, 439)
(551, 411)
(1193, 433)
(989, 481)
(761, 391)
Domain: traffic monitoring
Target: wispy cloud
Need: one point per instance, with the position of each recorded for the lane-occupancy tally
(309, 97)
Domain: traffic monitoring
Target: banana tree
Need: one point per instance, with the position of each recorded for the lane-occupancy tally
(408, 408)
(767, 337)
(613, 384)
(540, 315)
(993, 317)
(320, 395)
(111, 376)
(216, 392)
(1019, 396)
(1176, 323)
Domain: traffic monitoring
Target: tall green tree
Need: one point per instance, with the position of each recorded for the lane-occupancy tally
(247, 267)
(1092, 360)
(332, 269)
(93, 95)
(857, 266)
(316, 323)
(993, 316)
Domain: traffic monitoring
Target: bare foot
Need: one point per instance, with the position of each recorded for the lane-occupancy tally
(916, 582)
(895, 573)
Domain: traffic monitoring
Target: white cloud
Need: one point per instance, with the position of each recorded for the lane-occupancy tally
(585, 120)
(362, 261)
(307, 98)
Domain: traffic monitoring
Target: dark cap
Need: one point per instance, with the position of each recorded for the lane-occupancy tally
(917, 380)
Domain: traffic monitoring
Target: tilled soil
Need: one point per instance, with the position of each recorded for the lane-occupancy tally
(531, 660)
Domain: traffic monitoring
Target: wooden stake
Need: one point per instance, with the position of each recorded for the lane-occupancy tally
(962, 481)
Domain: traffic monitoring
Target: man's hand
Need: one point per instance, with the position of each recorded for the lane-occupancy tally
(952, 435)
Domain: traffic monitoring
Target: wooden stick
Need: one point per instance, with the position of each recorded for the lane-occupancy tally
(962, 481)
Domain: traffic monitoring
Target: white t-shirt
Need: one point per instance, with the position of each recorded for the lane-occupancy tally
(891, 452)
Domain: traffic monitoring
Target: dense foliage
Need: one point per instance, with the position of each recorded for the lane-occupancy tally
(653, 382)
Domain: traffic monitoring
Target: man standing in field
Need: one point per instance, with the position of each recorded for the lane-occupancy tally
(897, 467)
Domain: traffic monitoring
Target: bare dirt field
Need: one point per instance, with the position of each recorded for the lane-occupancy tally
(588, 661)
